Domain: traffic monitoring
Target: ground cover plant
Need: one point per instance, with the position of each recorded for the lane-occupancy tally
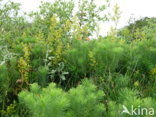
(53, 67)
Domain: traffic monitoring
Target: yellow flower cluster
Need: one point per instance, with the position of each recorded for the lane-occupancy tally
(92, 59)
(23, 63)
(55, 39)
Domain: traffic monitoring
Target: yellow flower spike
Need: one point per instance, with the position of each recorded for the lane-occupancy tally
(23, 63)
(92, 59)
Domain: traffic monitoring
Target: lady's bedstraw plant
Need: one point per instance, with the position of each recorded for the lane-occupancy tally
(54, 41)
(24, 64)
(93, 62)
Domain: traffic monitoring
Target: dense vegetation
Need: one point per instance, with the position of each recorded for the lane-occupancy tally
(51, 67)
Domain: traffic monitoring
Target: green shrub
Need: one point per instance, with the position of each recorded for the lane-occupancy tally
(46, 102)
(130, 99)
(112, 85)
(108, 54)
(84, 101)
(77, 61)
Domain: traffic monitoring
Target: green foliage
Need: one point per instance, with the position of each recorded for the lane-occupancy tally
(129, 98)
(103, 57)
(56, 46)
(112, 85)
(141, 29)
(58, 72)
(48, 102)
(85, 101)
(8, 91)
(52, 101)
(77, 61)
(108, 53)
